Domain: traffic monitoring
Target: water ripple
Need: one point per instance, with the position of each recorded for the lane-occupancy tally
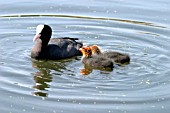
(141, 84)
(81, 17)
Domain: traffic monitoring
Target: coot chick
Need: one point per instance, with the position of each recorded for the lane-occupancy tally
(119, 58)
(96, 62)
(55, 48)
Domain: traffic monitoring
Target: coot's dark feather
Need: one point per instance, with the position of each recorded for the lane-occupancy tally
(54, 48)
(98, 63)
(117, 57)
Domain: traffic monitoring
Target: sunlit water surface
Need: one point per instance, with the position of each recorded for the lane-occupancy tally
(138, 28)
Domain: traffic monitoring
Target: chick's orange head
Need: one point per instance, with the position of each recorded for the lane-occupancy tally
(86, 51)
(95, 49)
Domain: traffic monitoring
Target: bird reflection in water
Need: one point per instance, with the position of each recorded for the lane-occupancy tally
(42, 79)
(86, 70)
(44, 75)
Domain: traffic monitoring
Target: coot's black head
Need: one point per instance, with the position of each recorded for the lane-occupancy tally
(43, 32)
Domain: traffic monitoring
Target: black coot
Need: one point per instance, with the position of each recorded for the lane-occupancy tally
(55, 48)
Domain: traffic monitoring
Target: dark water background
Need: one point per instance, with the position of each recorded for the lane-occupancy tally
(138, 28)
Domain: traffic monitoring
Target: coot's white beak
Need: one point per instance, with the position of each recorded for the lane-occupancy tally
(36, 37)
(80, 49)
(38, 31)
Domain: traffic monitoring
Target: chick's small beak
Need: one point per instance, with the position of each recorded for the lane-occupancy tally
(80, 49)
(36, 37)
